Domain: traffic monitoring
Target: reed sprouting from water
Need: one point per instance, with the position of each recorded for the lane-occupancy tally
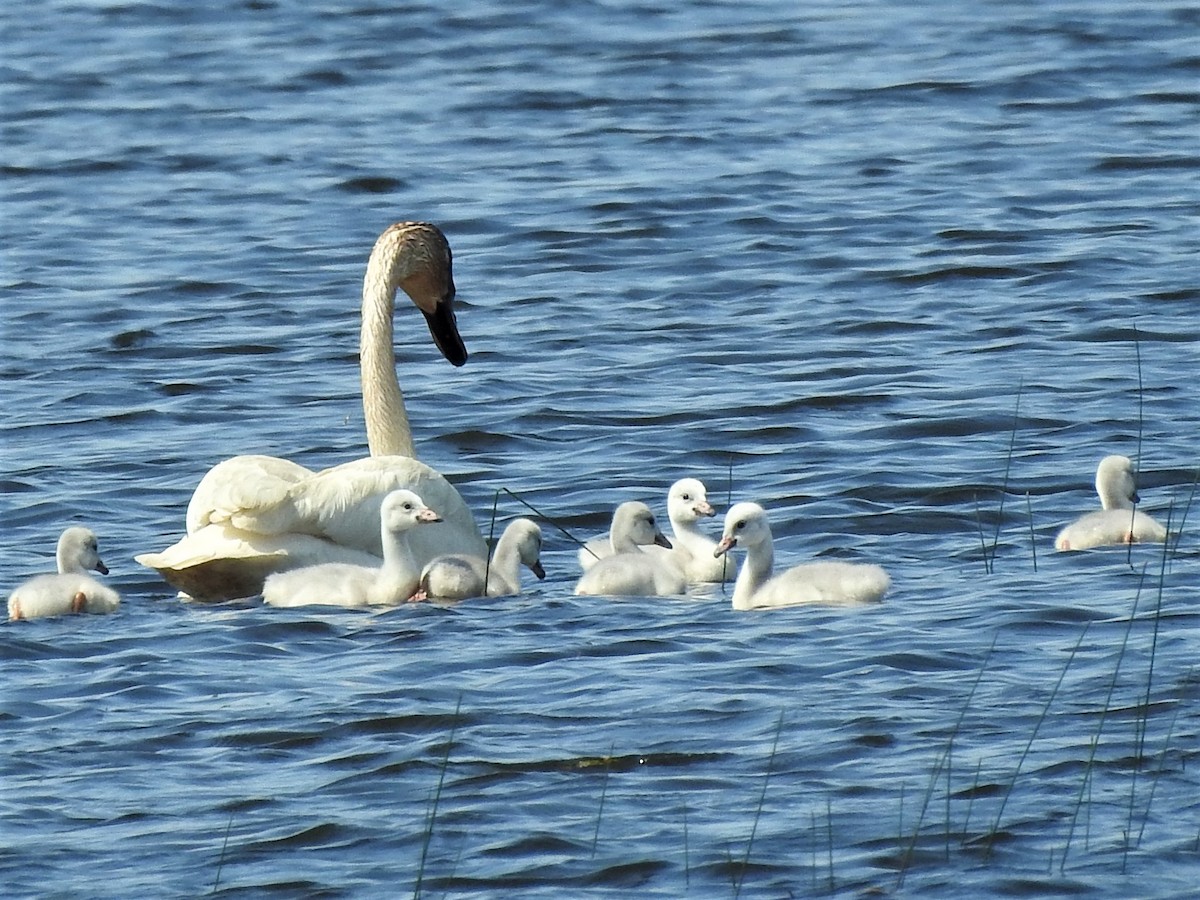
(1088, 766)
(603, 793)
(1012, 443)
(1162, 762)
(221, 860)
(1032, 532)
(995, 829)
(1142, 722)
(762, 799)
(427, 838)
(907, 855)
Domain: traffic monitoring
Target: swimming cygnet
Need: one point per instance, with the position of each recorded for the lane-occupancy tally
(343, 584)
(832, 583)
(629, 572)
(1117, 522)
(458, 577)
(72, 590)
(692, 549)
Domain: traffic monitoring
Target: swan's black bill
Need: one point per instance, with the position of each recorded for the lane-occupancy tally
(444, 330)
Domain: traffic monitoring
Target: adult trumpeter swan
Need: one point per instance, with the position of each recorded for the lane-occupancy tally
(72, 590)
(629, 572)
(254, 515)
(833, 583)
(692, 549)
(1117, 521)
(343, 584)
(459, 577)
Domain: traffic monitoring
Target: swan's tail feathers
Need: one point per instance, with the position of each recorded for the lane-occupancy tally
(207, 567)
(444, 329)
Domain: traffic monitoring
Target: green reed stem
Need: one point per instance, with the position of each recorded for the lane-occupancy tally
(1112, 687)
(762, 799)
(1032, 533)
(491, 545)
(1012, 443)
(906, 859)
(1186, 508)
(547, 518)
(1029, 745)
(987, 566)
(221, 860)
(1162, 764)
(829, 831)
(971, 800)
(437, 796)
(603, 793)
(1137, 466)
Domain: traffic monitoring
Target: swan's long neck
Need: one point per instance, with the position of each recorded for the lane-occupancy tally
(755, 572)
(388, 431)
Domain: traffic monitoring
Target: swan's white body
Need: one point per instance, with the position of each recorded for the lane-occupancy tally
(691, 551)
(628, 572)
(1118, 521)
(251, 516)
(72, 590)
(459, 577)
(831, 583)
(342, 584)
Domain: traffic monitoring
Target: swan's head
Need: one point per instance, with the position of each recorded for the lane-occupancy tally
(78, 551)
(687, 501)
(635, 520)
(529, 545)
(746, 526)
(430, 286)
(416, 257)
(401, 510)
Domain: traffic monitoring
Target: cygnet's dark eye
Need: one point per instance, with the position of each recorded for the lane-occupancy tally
(740, 525)
(408, 506)
(687, 497)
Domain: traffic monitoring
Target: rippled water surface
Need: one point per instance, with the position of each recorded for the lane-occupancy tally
(903, 273)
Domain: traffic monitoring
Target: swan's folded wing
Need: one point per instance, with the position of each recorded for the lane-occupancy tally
(241, 483)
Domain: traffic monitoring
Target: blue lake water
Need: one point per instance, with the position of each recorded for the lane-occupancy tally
(902, 273)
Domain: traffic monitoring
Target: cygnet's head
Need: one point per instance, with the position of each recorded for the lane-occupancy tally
(529, 545)
(1116, 483)
(635, 520)
(79, 551)
(746, 526)
(401, 510)
(687, 501)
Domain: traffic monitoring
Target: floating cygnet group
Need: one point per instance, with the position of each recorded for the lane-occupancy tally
(388, 529)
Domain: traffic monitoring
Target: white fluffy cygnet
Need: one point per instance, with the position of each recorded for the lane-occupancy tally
(72, 590)
(692, 549)
(629, 572)
(459, 577)
(1117, 521)
(343, 584)
(832, 583)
